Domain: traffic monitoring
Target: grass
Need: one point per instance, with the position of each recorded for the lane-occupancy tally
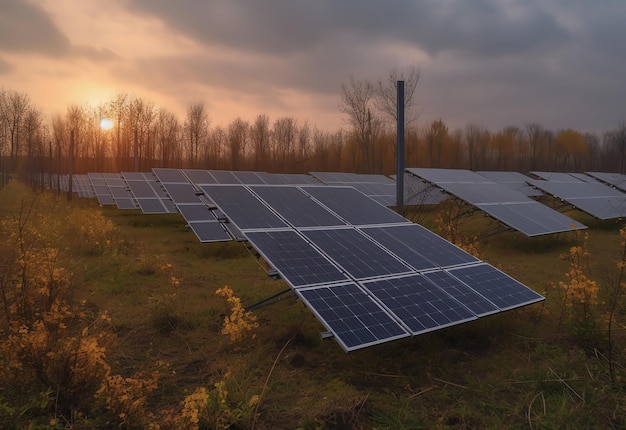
(518, 370)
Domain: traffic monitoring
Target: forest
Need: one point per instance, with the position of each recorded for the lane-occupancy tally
(142, 136)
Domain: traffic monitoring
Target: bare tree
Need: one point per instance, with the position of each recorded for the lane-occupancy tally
(196, 130)
(260, 140)
(357, 101)
(167, 130)
(237, 136)
(386, 99)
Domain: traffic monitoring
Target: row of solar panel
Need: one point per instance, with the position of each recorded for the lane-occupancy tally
(490, 192)
(367, 273)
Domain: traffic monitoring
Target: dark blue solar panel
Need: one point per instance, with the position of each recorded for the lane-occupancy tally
(353, 206)
(141, 188)
(242, 208)
(350, 314)
(169, 175)
(294, 258)
(152, 206)
(299, 209)
(496, 286)
(210, 231)
(418, 246)
(418, 303)
(195, 212)
(248, 178)
(476, 303)
(358, 255)
(182, 193)
(198, 176)
(224, 177)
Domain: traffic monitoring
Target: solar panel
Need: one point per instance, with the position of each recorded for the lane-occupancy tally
(353, 206)
(165, 175)
(242, 208)
(248, 178)
(359, 256)
(496, 286)
(298, 208)
(479, 193)
(140, 188)
(511, 208)
(443, 176)
(617, 180)
(514, 180)
(418, 303)
(418, 246)
(195, 212)
(532, 219)
(199, 177)
(294, 258)
(555, 176)
(594, 198)
(476, 303)
(355, 320)
(182, 193)
(209, 231)
(152, 206)
(224, 177)
(418, 192)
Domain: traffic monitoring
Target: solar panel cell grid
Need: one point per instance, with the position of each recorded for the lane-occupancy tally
(499, 288)
(296, 260)
(355, 253)
(418, 303)
(353, 206)
(354, 319)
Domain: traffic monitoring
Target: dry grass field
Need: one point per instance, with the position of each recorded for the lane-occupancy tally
(142, 290)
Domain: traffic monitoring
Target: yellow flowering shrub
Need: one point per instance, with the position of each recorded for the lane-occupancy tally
(240, 321)
(54, 366)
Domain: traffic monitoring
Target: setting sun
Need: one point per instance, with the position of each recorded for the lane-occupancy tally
(106, 124)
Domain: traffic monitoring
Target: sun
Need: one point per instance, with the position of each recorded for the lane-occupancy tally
(106, 124)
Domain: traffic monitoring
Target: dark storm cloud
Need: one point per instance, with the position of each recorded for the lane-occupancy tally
(282, 27)
(25, 27)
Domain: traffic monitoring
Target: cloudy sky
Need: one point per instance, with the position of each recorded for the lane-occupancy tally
(495, 63)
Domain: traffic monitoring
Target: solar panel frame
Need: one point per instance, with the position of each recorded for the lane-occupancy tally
(418, 247)
(418, 303)
(352, 206)
(199, 177)
(354, 319)
(496, 286)
(356, 253)
(169, 175)
(242, 207)
(296, 207)
(297, 262)
(209, 231)
(475, 302)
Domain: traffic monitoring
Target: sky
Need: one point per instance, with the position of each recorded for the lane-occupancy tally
(493, 63)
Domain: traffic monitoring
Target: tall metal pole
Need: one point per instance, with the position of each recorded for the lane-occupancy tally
(400, 149)
(71, 169)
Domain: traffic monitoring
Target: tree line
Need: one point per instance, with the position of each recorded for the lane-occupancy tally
(144, 136)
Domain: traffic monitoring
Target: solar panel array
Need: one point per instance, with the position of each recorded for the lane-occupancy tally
(616, 180)
(369, 275)
(596, 199)
(511, 208)
(513, 180)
